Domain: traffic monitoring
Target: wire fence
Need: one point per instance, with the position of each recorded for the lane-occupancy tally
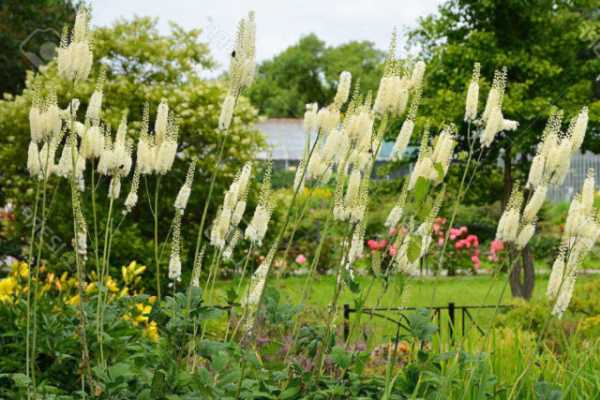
(457, 317)
(580, 164)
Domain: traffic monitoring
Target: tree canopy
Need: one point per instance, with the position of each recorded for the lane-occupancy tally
(142, 65)
(29, 30)
(549, 53)
(308, 72)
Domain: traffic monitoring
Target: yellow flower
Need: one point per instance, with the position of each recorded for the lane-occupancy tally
(7, 288)
(151, 331)
(124, 292)
(112, 285)
(20, 269)
(73, 300)
(130, 273)
(91, 287)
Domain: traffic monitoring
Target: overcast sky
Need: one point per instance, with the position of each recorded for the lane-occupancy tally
(280, 23)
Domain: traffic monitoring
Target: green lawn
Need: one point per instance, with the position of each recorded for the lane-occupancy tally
(416, 292)
(422, 292)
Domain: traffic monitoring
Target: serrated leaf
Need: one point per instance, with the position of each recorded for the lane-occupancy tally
(340, 357)
(439, 169)
(421, 189)
(414, 248)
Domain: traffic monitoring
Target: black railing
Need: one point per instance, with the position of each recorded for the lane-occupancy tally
(436, 314)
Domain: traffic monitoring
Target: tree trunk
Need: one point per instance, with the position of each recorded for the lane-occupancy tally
(522, 277)
(508, 181)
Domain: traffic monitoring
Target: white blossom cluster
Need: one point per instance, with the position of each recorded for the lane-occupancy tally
(397, 210)
(553, 158)
(549, 167)
(508, 226)
(492, 114)
(46, 125)
(422, 235)
(582, 230)
(395, 87)
(257, 229)
(433, 163)
(473, 94)
(175, 257)
(156, 153)
(75, 55)
(232, 211)
(512, 227)
(242, 68)
(251, 300)
(185, 191)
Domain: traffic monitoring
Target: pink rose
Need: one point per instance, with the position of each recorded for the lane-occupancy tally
(454, 233)
(497, 245)
(393, 251)
(474, 240)
(440, 242)
(459, 245)
(476, 261)
(392, 231)
(373, 245)
(300, 259)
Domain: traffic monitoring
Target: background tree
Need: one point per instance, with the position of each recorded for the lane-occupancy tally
(142, 65)
(549, 52)
(28, 32)
(308, 72)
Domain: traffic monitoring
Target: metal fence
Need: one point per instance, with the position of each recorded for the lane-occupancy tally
(436, 314)
(580, 164)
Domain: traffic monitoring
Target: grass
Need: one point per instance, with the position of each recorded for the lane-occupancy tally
(414, 292)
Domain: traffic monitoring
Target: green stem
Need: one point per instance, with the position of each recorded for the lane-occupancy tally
(209, 197)
(28, 365)
(156, 244)
(95, 217)
(457, 201)
(36, 282)
(104, 272)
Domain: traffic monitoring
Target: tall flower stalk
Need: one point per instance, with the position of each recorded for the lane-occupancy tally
(242, 67)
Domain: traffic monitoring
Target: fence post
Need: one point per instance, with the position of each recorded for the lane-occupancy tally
(346, 321)
(451, 320)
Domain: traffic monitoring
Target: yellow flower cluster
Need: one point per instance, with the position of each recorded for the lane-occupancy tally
(10, 286)
(140, 317)
(65, 286)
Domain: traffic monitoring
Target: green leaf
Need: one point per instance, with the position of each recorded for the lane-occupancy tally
(340, 357)
(290, 392)
(547, 391)
(439, 169)
(414, 248)
(158, 384)
(421, 189)
(21, 380)
(120, 370)
(219, 361)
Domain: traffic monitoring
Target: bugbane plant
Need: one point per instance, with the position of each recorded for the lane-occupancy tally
(492, 114)
(156, 152)
(186, 189)
(508, 226)
(472, 101)
(232, 210)
(548, 168)
(257, 229)
(75, 56)
(581, 232)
